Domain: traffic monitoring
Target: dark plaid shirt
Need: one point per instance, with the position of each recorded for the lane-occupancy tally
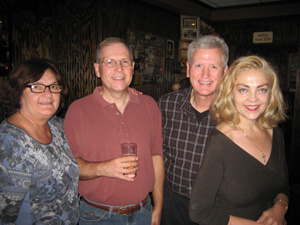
(184, 140)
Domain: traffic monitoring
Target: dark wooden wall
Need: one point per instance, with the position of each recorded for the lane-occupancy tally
(69, 31)
(239, 36)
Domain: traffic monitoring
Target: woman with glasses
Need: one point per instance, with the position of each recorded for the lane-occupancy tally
(38, 173)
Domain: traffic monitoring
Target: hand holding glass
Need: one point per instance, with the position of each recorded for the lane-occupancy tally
(129, 149)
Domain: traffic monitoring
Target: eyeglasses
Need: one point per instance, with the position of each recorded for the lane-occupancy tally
(41, 88)
(111, 63)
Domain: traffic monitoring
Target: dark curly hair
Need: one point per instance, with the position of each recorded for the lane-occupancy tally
(23, 74)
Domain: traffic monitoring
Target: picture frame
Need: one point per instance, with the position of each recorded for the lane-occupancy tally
(149, 56)
(170, 49)
(189, 27)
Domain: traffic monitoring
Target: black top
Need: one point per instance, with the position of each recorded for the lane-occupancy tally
(232, 182)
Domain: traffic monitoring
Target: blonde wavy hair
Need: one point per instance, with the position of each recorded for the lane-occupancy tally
(223, 109)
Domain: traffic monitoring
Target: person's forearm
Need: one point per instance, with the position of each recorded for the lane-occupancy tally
(117, 168)
(283, 201)
(233, 220)
(88, 170)
(159, 171)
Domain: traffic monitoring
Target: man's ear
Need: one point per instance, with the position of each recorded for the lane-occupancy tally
(187, 70)
(97, 71)
(133, 63)
(225, 69)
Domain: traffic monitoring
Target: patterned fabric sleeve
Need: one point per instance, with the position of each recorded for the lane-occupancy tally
(38, 182)
(15, 176)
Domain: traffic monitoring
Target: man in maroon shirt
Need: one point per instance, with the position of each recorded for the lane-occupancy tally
(97, 125)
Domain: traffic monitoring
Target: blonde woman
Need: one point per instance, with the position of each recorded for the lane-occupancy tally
(244, 177)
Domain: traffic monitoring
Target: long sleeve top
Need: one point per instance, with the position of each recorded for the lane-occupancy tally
(184, 140)
(232, 182)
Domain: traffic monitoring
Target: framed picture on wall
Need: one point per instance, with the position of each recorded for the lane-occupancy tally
(170, 49)
(190, 27)
(149, 56)
(5, 48)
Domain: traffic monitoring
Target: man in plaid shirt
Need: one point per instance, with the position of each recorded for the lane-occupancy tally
(186, 125)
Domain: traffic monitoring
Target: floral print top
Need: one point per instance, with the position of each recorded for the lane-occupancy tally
(38, 182)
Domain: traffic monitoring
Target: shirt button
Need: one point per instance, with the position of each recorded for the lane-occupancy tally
(111, 106)
(117, 113)
(122, 123)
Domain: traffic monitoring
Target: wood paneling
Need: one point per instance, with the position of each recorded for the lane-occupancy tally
(285, 30)
(76, 35)
(69, 31)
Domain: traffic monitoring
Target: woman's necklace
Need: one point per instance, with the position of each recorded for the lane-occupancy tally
(263, 154)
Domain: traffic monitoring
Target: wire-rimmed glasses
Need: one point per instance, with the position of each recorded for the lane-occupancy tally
(111, 63)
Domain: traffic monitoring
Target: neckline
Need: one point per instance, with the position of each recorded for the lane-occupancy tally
(264, 156)
(244, 152)
(30, 135)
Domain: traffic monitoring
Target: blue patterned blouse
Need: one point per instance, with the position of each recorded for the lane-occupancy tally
(38, 182)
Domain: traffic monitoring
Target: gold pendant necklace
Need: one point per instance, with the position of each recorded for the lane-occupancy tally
(263, 154)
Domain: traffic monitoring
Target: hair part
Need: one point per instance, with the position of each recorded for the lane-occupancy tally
(110, 41)
(223, 109)
(209, 42)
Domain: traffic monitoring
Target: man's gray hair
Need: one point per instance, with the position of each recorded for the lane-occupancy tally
(208, 42)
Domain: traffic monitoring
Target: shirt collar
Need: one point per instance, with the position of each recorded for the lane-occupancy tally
(186, 104)
(133, 98)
